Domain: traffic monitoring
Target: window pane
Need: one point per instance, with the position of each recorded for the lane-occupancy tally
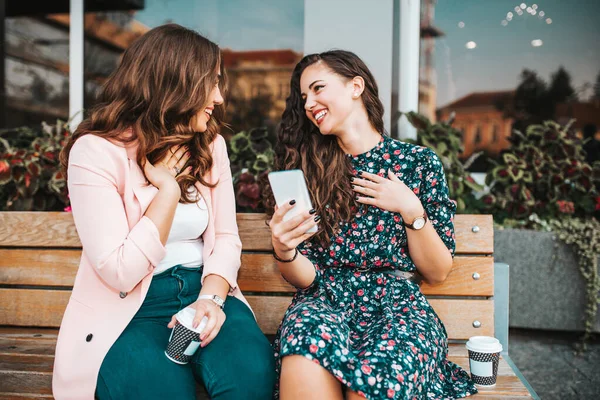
(501, 66)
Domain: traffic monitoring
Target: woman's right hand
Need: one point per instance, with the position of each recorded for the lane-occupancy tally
(287, 235)
(164, 172)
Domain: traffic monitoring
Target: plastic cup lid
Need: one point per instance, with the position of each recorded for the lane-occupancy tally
(186, 318)
(484, 344)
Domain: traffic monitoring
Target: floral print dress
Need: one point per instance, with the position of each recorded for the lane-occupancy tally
(374, 331)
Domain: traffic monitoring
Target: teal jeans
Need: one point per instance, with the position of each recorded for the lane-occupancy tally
(237, 364)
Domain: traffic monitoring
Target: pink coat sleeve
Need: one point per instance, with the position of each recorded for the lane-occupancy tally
(225, 260)
(121, 256)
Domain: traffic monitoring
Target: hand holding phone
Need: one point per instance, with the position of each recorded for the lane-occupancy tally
(291, 185)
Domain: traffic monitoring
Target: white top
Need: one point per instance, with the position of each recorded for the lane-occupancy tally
(185, 245)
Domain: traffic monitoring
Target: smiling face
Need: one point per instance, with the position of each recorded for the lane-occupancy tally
(200, 120)
(329, 98)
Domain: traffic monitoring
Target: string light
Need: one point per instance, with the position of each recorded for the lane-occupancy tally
(537, 42)
(533, 10)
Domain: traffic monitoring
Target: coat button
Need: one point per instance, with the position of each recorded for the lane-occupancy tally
(89, 338)
(123, 295)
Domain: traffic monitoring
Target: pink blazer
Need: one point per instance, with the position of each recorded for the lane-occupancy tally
(109, 196)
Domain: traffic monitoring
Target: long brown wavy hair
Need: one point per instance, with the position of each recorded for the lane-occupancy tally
(300, 145)
(163, 80)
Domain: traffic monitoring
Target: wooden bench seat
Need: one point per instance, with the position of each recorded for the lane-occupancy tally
(39, 256)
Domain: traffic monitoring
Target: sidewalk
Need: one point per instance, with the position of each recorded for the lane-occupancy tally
(548, 362)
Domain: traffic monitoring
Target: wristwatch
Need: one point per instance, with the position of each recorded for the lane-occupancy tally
(418, 223)
(215, 299)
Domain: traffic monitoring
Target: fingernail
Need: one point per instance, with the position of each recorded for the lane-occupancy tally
(312, 211)
(353, 186)
(351, 179)
(317, 218)
(355, 197)
(360, 173)
(292, 202)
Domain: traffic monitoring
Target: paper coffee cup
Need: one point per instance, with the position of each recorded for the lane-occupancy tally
(484, 354)
(185, 339)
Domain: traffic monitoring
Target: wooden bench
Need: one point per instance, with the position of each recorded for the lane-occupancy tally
(39, 256)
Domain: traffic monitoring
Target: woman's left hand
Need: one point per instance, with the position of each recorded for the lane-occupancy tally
(389, 194)
(216, 319)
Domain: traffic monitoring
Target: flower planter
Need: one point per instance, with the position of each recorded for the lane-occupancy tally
(547, 290)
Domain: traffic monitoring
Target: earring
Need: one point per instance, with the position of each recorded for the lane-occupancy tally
(355, 95)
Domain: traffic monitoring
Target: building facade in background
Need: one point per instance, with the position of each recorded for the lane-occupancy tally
(37, 62)
(483, 121)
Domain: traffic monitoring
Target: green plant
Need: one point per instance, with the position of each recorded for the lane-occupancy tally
(543, 182)
(446, 141)
(584, 236)
(543, 172)
(30, 175)
(251, 156)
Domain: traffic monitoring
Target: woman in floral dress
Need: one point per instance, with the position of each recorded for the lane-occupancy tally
(358, 326)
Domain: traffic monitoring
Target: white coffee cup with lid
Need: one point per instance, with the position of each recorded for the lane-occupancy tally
(484, 355)
(185, 339)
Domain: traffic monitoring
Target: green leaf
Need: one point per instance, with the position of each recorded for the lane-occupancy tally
(417, 120)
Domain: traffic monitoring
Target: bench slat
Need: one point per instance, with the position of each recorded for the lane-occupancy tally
(56, 229)
(38, 307)
(51, 267)
(17, 368)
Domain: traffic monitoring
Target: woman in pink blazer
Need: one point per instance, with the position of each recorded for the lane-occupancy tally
(153, 203)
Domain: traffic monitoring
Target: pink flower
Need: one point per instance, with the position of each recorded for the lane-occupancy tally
(313, 348)
(565, 207)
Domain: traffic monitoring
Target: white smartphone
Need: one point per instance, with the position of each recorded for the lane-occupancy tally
(291, 185)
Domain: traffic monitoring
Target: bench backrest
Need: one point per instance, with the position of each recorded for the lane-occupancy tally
(40, 252)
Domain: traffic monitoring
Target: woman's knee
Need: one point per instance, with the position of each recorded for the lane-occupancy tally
(239, 363)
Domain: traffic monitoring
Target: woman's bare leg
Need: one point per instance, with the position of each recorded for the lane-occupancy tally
(302, 379)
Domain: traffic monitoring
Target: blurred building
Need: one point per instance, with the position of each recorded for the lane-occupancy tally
(481, 118)
(584, 113)
(261, 74)
(37, 61)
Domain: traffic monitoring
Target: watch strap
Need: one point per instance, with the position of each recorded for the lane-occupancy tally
(215, 299)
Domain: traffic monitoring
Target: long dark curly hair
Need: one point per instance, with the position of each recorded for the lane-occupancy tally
(300, 145)
(163, 80)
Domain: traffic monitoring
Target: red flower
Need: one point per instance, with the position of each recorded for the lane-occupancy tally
(379, 228)
(326, 336)
(416, 190)
(360, 292)
(366, 369)
(396, 168)
(400, 378)
(313, 348)
(386, 156)
(391, 342)
(391, 393)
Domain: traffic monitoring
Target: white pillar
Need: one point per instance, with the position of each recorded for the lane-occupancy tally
(76, 88)
(364, 28)
(408, 90)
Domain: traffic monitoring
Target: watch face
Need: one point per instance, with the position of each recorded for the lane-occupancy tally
(419, 223)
